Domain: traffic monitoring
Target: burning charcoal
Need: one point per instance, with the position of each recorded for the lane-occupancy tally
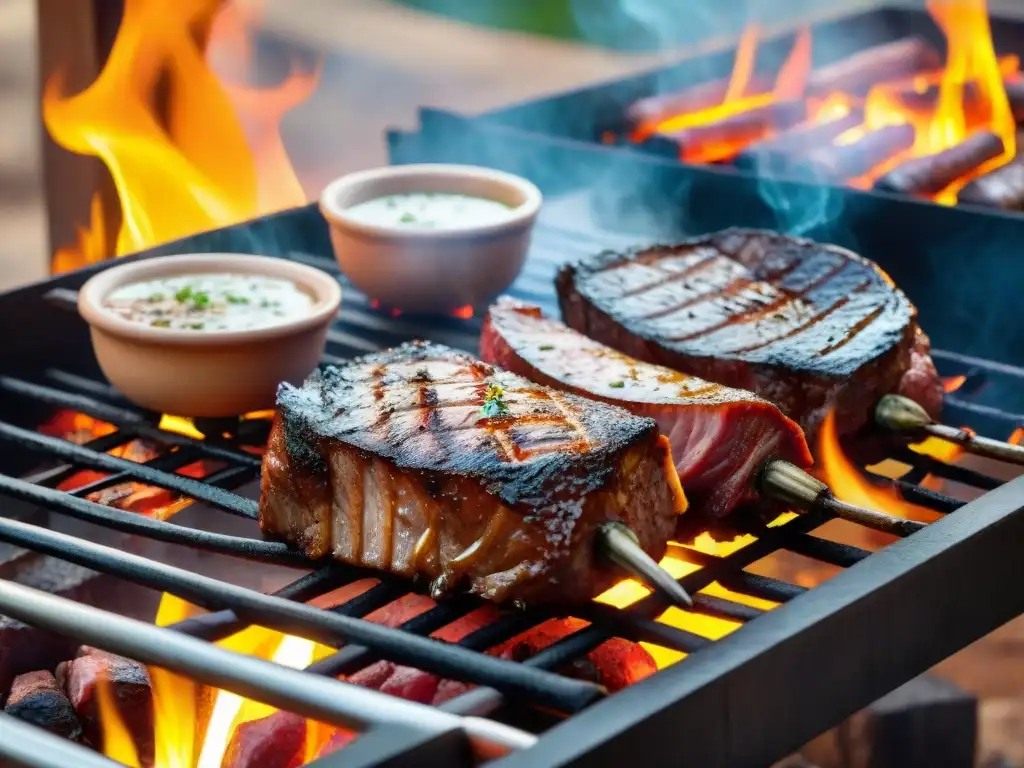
(928, 721)
(836, 163)
(36, 698)
(614, 664)
(1001, 188)
(858, 73)
(776, 154)
(401, 610)
(932, 174)
(276, 741)
(975, 105)
(130, 688)
(722, 139)
(643, 115)
(1015, 93)
(24, 648)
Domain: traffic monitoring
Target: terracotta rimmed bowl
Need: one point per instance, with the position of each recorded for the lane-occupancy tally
(431, 270)
(216, 374)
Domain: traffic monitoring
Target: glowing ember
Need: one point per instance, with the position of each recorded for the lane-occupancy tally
(1016, 437)
(180, 163)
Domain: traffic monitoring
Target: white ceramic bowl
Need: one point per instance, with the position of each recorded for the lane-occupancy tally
(223, 373)
(431, 270)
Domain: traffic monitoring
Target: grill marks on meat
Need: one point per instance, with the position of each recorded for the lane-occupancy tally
(807, 326)
(390, 462)
(720, 436)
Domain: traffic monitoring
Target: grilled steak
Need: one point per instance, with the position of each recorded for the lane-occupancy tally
(425, 461)
(719, 436)
(807, 326)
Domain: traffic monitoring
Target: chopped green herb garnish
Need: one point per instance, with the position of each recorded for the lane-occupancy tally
(232, 299)
(156, 297)
(617, 384)
(184, 294)
(200, 300)
(546, 347)
(196, 326)
(407, 218)
(494, 403)
(161, 323)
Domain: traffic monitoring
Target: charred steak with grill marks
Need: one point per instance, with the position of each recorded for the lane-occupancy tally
(720, 436)
(427, 462)
(809, 327)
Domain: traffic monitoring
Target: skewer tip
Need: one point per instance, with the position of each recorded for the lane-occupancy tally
(901, 414)
(620, 545)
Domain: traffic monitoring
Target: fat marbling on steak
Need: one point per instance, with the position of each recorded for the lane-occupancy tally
(720, 436)
(807, 326)
(427, 462)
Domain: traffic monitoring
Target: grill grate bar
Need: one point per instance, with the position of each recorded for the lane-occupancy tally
(167, 462)
(53, 476)
(764, 587)
(953, 472)
(770, 540)
(621, 623)
(916, 494)
(444, 659)
(750, 584)
(216, 626)
(216, 497)
(123, 419)
(352, 658)
(129, 522)
(29, 745)
(329, 701)
(720, 608)
(826, 551)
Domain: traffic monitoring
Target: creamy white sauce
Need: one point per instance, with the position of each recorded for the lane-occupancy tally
(430, 210)
(210, 302)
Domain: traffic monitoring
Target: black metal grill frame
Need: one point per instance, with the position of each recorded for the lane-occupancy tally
(741, 701)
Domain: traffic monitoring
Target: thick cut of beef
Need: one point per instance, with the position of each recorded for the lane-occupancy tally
(809, 327)
(720, 436)
(425, 461)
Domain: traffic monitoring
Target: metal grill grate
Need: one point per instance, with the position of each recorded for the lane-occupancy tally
(360, 328)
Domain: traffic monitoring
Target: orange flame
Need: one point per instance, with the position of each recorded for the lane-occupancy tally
(850, 485)
(743, 67)
(1016, 437)
(970, 95)
(180, 164)
(792, 78)
(175, 701)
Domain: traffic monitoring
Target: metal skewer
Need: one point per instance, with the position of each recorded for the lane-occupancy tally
(901, 414)
(788, 483)
(620, 545)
